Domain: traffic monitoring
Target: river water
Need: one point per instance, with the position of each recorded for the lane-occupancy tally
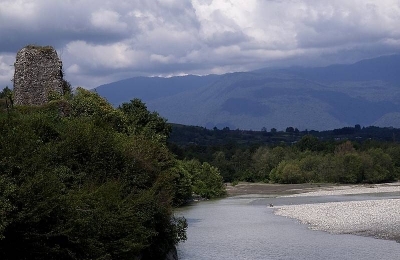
(244, 228)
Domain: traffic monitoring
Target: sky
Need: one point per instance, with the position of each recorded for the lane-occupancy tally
(101, 41)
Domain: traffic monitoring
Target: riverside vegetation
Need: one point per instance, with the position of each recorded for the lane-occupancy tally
(347, 155)
(80, 179)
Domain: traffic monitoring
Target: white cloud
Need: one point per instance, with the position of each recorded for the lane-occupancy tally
(105, 39)
(73, 69)
(112, 56)
(18, 11)
(108, 20)
(162, 58)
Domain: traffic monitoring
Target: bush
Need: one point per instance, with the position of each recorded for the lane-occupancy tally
(78, 186)
(206, 179)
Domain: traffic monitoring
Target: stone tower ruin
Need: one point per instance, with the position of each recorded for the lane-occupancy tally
(38, 74)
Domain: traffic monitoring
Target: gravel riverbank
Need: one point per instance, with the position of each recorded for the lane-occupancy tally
(377, 218)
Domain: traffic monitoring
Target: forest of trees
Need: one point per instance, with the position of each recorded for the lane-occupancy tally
(80, 179)
(294, 157)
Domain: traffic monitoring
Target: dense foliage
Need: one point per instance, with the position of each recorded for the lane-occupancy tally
(317, 157)
(80, 179)
(183, 135)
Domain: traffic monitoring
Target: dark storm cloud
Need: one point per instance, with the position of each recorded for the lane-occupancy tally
(103, 40)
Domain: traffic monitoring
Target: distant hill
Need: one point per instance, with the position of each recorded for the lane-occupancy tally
(365, 93)
(150, 88)
(385, 68)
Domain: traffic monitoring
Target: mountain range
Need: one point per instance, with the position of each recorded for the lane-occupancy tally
(321, 98)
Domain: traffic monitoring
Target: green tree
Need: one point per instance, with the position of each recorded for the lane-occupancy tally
(310, 166)
(141, 121)
(309, 142)
(89, 104)
(262, 163)
(241, 162)
(287, 172)
(349, 168)
(6, 98)
(289, 129)
(182, 181)
(220, 161)
(346, 147)
(328, 167)
(206, 179)
(394, 153)
(380, 167)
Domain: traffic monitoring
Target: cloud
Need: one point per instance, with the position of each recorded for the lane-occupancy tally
(101, 41)
(354, 22)
(6, 69)
(112, 56)
(108, 20)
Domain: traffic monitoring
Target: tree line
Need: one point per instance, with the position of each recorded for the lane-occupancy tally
(309, 159)
(80, 179)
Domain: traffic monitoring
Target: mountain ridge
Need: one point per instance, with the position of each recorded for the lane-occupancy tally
(366, 92)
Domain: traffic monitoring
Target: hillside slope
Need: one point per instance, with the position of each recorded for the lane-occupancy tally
(366, 93)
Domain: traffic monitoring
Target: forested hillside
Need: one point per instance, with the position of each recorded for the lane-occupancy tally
(80, 179)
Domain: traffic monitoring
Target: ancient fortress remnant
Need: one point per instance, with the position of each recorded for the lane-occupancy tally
(38, 74)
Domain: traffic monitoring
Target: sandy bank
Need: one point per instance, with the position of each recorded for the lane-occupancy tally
(308, 189)
(246, 188)
(350, 190)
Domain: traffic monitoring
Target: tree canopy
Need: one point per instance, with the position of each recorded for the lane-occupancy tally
(80, 179)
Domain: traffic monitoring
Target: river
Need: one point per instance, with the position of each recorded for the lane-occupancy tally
(243, 228)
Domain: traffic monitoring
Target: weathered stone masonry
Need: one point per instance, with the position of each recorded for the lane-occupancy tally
(38, 74)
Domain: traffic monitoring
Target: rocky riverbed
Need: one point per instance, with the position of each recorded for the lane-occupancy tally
(379, 218)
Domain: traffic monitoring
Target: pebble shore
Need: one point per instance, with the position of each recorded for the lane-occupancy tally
(377, 218)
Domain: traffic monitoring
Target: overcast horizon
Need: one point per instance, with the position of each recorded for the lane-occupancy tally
(103, 41)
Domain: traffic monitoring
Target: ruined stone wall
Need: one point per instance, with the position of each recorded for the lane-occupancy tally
(38, 74)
